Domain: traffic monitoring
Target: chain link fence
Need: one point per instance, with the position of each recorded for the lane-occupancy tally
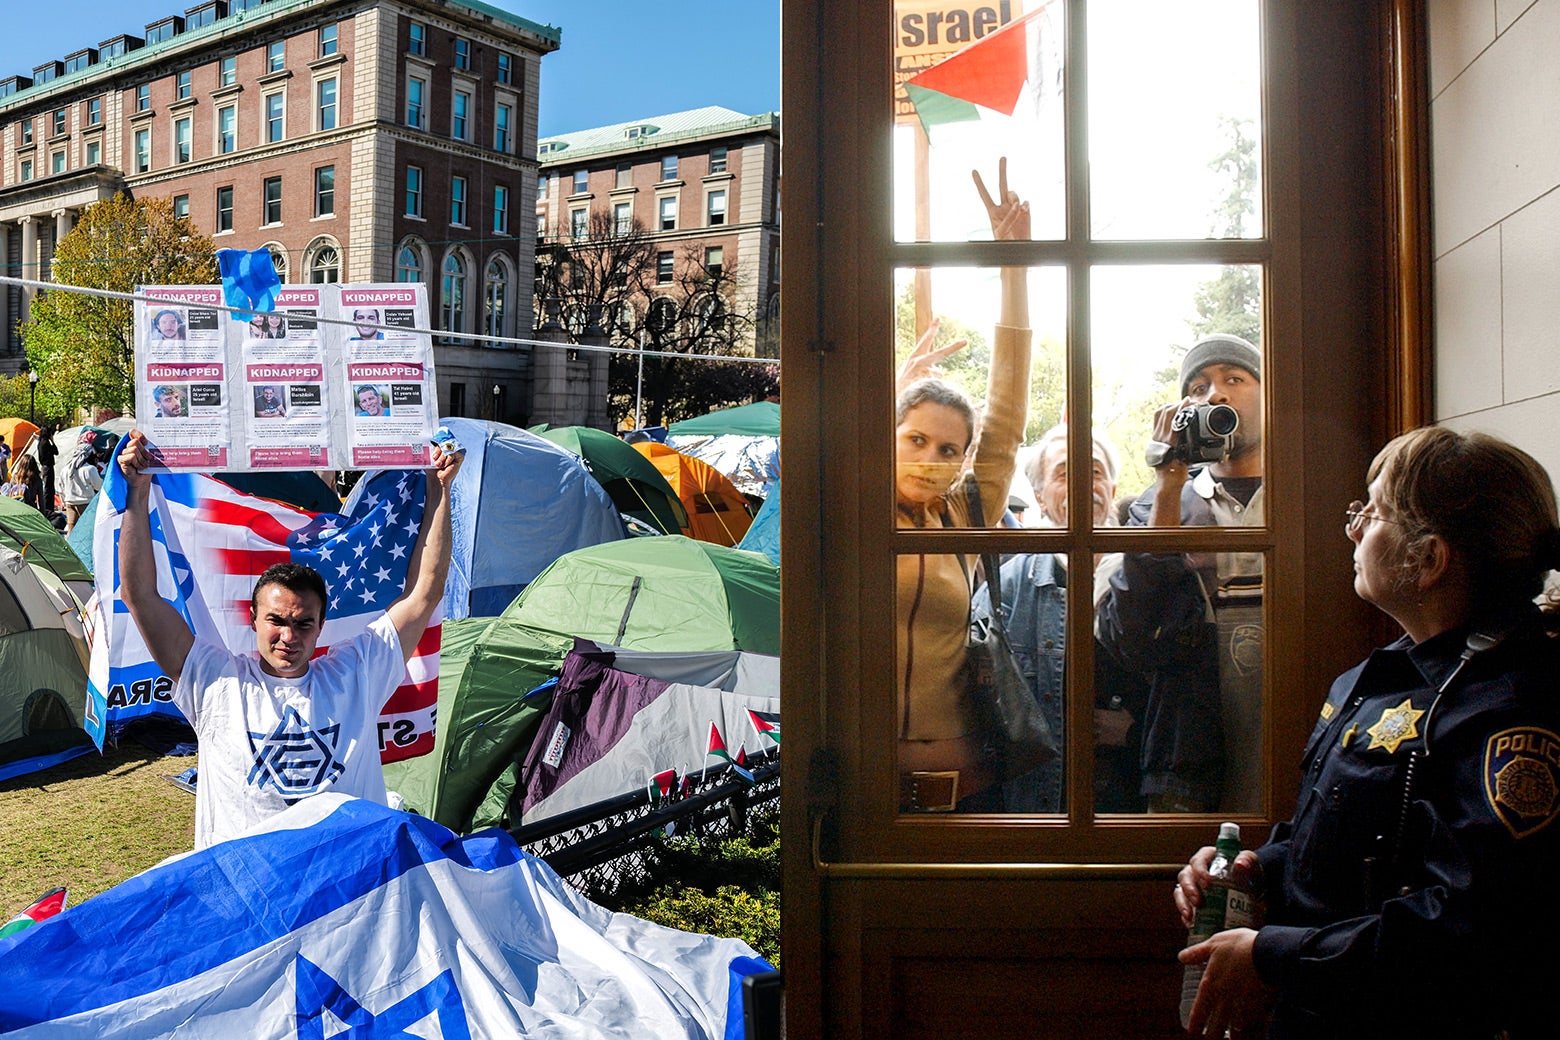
(606, 847)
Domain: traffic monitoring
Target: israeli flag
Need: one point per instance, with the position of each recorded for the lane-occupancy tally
(343, 919)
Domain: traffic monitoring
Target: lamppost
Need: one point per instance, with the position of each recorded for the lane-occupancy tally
(495, 402)
(32, 396)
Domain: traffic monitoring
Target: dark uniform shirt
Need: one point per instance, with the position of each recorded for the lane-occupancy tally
(1450, 930)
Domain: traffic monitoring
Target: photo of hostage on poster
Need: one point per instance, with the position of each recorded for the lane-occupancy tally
(182, 369)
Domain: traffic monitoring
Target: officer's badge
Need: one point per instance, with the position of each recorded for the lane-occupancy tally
(1522, 779)
(1395, 726)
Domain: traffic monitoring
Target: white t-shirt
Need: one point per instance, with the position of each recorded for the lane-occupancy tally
(268, 742)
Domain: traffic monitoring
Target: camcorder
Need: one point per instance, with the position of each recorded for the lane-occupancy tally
(1207, 431)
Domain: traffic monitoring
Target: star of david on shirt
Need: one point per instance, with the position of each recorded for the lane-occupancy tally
(295, 758)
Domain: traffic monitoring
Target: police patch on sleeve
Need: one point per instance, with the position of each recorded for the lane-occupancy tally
(1522, 778)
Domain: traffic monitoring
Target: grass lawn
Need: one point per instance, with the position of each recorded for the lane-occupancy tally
(90, 823)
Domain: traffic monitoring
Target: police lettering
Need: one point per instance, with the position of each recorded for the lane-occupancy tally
(1536, 744)
(952, 26)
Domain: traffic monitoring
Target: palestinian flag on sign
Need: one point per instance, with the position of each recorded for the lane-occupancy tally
(46, 907)
(765, 724)
(718, 749)
(990, 73)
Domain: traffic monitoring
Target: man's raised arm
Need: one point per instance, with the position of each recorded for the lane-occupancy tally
(429, 565)
(163, 629)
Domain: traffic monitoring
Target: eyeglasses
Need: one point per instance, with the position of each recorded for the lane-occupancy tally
(1355, 518)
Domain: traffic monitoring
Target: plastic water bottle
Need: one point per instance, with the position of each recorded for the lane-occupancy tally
(1224, 905)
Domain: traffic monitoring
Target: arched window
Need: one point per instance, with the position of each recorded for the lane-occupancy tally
(454, 302)
(663, 315)
(622, 319)
(278, 259)
(323, 262)
(495, 298)
(409, 262)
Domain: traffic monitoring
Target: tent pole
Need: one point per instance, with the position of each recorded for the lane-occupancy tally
(639, 388)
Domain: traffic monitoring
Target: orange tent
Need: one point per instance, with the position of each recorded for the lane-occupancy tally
(717, 512)
(18, 433)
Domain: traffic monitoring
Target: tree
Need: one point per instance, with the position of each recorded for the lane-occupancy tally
(83, 346)
(617, 274)
(1232, 302)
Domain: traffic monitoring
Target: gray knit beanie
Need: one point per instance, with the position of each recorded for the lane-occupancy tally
(1220, 349)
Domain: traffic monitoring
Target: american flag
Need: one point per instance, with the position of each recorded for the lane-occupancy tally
(212, 542)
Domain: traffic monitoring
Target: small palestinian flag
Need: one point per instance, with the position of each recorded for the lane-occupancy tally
(663, 786)
(742, 754)
(718, 749)
(686, 787)
(45, 908)
(765, 724)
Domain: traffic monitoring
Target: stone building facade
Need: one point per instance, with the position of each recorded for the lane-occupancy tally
(358, 140)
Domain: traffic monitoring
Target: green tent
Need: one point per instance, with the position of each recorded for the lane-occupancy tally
(671, 593)
(486, 667)
(635, 486)
(25, 530)
(750, 420)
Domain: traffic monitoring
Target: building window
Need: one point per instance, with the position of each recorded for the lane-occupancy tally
(94, 111)
(181, 140)
(225, 208)
(94, 152)
(325, 192)
(462, 53)
(143, 98)
(715, 209)
(542, 180)
(328, 45)
(416, 38)
(460, 108)
(579, 224)
(500, 210)
(505, 67)
(27, 134)
(181, 206)
(662, 314)
(181, 90)
(80, 60)
(457, 406)
(143, 150)
(408, 264)
(414, 102)
(668, 167)
(163, 30)
(57, 162)
(278, 259)
(713, 257)
(27, 169)
(203, 15)
(325, 103)
(501, 128)
(668, 213)
(495, 297)
(718, 159)
(622, 218)
(581, 181)
(325, 266)
(229, 72)
(276, 56)
(663, 267)
(458, 201)
(275, 114)
(59, 121)
(414, 191)
(454, 307)
(227, 129)
(273, 200)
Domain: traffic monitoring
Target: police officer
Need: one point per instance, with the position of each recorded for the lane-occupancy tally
(1413, 893)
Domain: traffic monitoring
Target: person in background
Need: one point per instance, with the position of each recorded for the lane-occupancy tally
(26, 483)
(1192, 623)
(82, 478)
(942, 760)
(5, 456)
(47, 453)
(1034, 605)
(1413, 894)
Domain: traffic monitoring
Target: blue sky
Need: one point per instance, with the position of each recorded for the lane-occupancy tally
(620, 60)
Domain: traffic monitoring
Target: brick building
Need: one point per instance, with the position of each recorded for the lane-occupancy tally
(358, 140)
(704, 183)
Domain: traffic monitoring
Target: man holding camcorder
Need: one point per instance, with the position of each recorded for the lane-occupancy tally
(1192, 622)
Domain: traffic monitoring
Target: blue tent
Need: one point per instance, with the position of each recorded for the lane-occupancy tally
(764, 535)
(520, 502)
